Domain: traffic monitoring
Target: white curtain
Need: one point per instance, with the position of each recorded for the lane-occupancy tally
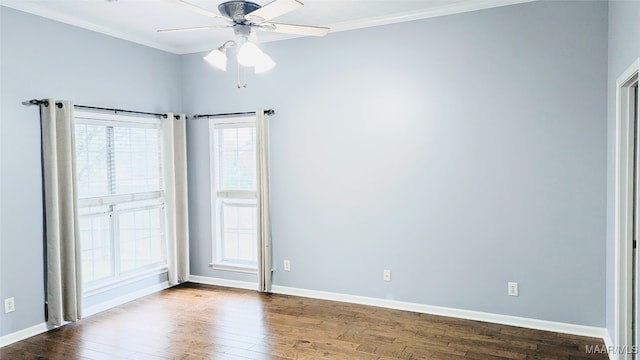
(264, 224)
(63, 256)
(175, 181)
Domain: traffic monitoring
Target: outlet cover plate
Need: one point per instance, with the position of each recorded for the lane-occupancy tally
(386, 275)
(9, 305)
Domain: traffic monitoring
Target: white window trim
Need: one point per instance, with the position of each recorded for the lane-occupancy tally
(234, 268)
(124, 280)
(117, 199)
(241, 121)
(95, 117)
(623, 216)
(104, 285)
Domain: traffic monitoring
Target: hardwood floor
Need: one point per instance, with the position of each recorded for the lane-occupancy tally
(205, 322)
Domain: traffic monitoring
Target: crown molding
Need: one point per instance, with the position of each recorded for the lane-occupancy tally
(34, 9)
(456, 8)
(452, 9)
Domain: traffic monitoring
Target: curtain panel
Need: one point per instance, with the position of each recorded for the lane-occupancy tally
(265, 267)
(62, 236)
(175, 181)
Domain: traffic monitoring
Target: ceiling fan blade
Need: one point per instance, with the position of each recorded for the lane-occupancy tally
(195, 28)
(273, 10)
(295, 29)
(199, 10)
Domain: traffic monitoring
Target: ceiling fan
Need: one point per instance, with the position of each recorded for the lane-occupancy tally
(245, 17)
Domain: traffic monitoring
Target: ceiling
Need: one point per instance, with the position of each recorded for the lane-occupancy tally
(139, 20)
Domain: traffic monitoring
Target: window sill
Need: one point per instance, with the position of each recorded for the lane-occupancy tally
(121, 281)
(233, 268)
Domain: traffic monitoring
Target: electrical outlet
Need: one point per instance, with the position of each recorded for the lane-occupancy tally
(287, 265)
(9, 305)
(386, 275)
(513, 288)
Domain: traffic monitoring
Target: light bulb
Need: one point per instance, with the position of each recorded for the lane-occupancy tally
(264, 63)
(248, 54)
(218, 59)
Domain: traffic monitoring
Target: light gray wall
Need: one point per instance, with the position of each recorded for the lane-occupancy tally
(460, 152)
(42, 58)
(624, 49)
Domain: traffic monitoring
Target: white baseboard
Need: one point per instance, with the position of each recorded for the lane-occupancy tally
(565, 328)
(223, 282)
(124, 299)
(23, 334)
(43, 327)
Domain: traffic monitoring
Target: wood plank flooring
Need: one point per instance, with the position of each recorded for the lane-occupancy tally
(193, 321)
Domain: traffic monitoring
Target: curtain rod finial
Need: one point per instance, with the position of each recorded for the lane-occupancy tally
(35, 102)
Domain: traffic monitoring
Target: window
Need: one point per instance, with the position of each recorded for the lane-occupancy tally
(233, 164)
(120, 197)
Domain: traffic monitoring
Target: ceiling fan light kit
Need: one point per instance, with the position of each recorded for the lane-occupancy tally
(245, 17)
(218, 57)
(248, 53)
(264, 63)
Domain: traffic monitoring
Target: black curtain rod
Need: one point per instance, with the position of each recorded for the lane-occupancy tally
(267, 112)
(46, 103)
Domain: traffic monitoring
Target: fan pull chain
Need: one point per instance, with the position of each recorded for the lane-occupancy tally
(240, 85)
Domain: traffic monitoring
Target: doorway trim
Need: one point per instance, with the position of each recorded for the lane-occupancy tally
(623, 211)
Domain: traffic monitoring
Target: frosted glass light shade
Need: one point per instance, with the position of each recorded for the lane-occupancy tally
(218, 59)
(248, 54)
(264, 63)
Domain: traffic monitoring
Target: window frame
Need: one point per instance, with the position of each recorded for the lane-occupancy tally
(218, 263)
(146, 199)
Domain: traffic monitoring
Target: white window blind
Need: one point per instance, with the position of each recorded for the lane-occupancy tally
(120, 196)
(117, 159)
(236, 157)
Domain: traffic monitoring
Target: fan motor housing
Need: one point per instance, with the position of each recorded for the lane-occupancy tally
(236, 10)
